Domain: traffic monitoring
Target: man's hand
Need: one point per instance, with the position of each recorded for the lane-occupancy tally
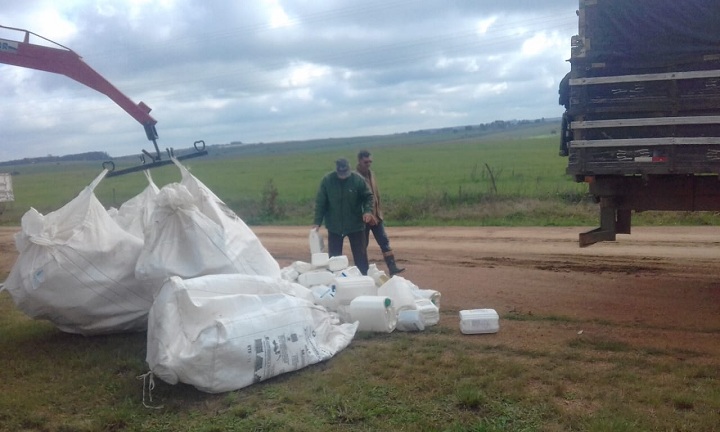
(315, 227)
(369, 219)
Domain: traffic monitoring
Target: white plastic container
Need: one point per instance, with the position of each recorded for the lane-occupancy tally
(378, 275)
(478, 321)
(348, 288)
(320, 259)
(429, 312)
(316, 241)
(350, 271)
(410, 320)
(324, 295)
(336, 263)
(302, 267)
(373, 313)
(400, 290)
(316, 277)
(432, 295)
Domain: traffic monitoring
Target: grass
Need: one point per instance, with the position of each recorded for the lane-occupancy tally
(437, 380)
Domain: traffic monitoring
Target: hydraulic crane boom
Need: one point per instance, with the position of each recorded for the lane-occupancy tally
(64, 61)
(67, 62)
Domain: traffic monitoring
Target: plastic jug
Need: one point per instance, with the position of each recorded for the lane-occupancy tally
(316, 241)
(477, 321)
(378, 275)
(373, 313)
(316, 277)
(400, 290)
(429, 312)
(325, 296)
(337, 263)
(410, 320)
(348, 288)
(320, 259)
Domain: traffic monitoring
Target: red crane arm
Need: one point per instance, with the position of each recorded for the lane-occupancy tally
(66, 62)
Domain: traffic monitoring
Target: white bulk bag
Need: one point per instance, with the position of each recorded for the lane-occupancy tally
(225, 284)
(194, 234)
(181, 241)
(134, 215)
(241, 244)
(76, 269)
(220, 337)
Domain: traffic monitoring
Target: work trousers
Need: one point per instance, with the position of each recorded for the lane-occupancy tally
(381, 237)
(358, 246)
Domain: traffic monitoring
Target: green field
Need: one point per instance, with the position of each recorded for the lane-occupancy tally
(447, 169)
(449, 177)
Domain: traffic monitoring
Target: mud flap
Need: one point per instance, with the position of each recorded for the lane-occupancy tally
(612, 221)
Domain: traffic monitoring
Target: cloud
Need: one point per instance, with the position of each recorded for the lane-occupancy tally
(275, 70)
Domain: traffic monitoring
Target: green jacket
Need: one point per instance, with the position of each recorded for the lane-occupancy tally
(341, 203)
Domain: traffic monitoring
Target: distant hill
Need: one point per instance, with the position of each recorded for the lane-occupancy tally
(79, 157)
(512, 129)
(516, 129)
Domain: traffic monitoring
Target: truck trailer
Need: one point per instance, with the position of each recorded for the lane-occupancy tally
(642, 99)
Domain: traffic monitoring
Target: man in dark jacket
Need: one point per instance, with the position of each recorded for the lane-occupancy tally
(564, 100)
(345, 203)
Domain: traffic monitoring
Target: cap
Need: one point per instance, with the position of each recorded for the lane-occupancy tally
(342, 168)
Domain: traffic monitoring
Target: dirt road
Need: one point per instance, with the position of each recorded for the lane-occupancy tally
(659, 287)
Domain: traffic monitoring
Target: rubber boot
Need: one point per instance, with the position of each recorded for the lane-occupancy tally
(390, 261)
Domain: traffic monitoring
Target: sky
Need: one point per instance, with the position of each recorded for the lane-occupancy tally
(261, 71)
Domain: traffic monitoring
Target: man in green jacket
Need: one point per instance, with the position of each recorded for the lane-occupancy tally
(345, 203)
